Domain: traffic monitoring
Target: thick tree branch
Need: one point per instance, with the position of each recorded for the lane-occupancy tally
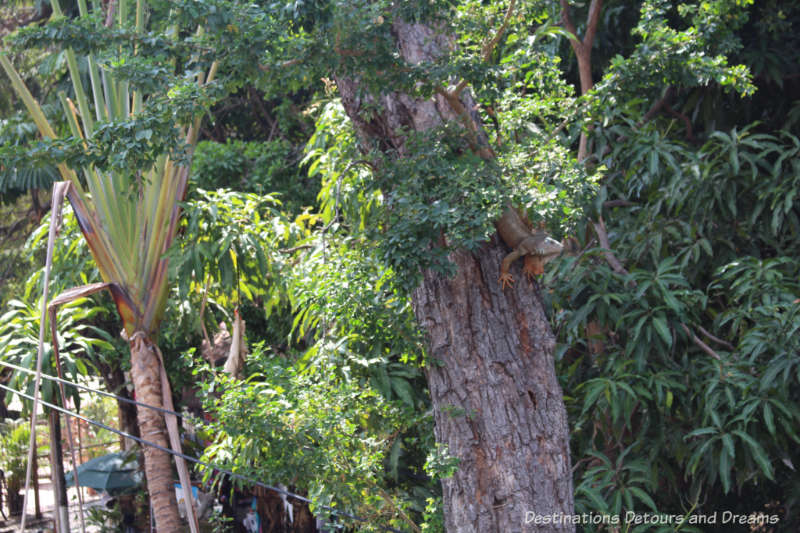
(566, 20)
(687, 123)
(458, 107)
(583, 53)
(591, 24)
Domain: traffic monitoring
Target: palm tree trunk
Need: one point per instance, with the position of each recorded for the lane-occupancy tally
(145, 372)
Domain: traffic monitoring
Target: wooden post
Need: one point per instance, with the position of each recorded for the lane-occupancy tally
(36, 505)
(61, 513)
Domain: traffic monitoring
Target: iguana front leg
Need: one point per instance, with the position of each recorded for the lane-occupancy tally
(533, 266)
(506, 279)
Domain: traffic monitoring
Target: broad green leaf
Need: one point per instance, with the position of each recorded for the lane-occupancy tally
(660, 324)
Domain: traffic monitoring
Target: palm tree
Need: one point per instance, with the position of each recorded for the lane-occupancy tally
(129, 219)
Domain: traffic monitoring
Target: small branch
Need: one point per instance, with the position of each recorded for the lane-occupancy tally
(657, 106)
(703, 346)
(347, 52)
(724, 343)
(687, 123)
(663, 104)
(397, 509)
(14, 226)
(202, 311)
(581, 254)
(489, 46)
(602, 237)
(295, 249)
(567, 120)
(460, 87)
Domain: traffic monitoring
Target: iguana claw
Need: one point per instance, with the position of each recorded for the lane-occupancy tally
(506, 280)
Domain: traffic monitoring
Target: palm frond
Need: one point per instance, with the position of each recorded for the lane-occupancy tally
(128, 219)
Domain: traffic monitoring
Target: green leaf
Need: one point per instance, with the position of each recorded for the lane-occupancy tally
(725, 470)
(403, 389)
(660, 323)
(701, 431)
(595, 497)
(727, 441)
(769, 420)
(643, 497)
(595, 389)
(759, 455)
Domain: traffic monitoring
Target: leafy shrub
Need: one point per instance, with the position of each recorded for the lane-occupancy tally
(681, 374)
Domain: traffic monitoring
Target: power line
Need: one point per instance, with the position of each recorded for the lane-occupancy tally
(97, 391)
(193, 459)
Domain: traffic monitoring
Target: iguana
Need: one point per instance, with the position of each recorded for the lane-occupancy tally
(536, 246)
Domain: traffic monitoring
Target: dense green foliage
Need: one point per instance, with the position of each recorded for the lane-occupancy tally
(709, 243)
(680, 370)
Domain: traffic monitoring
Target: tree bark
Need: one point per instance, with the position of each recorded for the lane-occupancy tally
(145, 372)
(497, 403)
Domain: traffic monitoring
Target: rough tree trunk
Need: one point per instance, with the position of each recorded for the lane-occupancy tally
(158, 466)
(497, 403)
(495, 350)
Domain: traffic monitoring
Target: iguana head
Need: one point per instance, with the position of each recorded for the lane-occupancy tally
(545, 251)
(547, 247)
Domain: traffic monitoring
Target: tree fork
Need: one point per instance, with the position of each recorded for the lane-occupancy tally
(583, 52)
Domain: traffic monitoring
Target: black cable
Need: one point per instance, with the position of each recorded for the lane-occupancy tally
(89, 389)
(195, 460)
